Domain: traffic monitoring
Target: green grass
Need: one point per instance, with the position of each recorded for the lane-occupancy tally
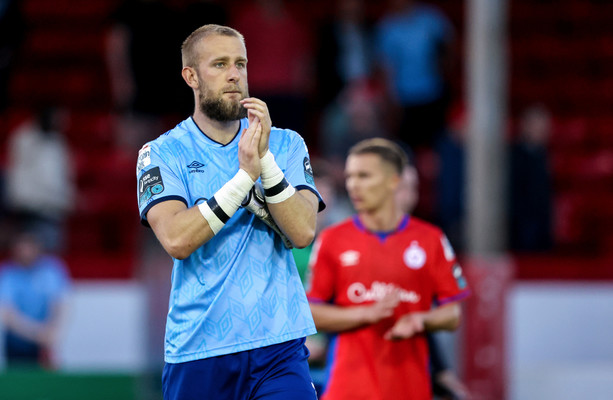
(46, 385)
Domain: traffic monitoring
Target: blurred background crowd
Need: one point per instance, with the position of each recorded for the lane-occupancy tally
(84, 84)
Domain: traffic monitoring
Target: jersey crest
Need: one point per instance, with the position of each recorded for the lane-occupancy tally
(414, 256)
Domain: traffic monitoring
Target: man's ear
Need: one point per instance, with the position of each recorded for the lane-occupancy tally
(395, 181)
(190, 76)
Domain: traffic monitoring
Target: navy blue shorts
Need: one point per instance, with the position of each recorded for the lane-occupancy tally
(277, 372)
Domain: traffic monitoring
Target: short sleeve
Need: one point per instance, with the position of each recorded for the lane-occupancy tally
(157, 179)
(5, 286)
(320, 286)
(299, 171)
(449, 282)
(58, 280)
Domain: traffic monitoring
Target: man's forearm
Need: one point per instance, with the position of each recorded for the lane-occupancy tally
(332, 318)
(446, 317)
(22, 325)
(180, 230)
(296, 217)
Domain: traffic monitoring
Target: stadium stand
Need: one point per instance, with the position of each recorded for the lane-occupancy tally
(560, 54)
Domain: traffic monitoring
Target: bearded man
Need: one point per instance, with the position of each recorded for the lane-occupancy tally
(227, 196)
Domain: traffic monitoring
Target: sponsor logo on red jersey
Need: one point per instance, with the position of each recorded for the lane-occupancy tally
(357, 292)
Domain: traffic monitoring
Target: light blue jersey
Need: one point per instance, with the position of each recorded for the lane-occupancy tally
(408, 43)
(34, 290)
(240, 290)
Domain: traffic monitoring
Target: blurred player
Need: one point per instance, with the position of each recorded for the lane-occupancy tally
(238, 314)
(374, 279)
(33, 293)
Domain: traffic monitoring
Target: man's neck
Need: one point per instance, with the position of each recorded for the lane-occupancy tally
(383, 220)
(221, 132)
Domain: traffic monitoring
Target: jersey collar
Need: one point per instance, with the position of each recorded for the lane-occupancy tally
(404, 222)
(193, 127)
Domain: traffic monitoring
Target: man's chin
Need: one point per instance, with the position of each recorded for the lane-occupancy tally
(227, 114)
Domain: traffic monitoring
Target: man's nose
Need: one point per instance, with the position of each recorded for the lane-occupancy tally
(233, 74)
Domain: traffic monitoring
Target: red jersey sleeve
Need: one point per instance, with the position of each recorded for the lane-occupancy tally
(449, 282)
(320, 287)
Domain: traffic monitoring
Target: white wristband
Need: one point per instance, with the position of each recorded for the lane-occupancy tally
(219, 208)
(276, 187)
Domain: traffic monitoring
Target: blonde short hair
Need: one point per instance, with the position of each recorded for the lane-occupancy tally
(189, 54)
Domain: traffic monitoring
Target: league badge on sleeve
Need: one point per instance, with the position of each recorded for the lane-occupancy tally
(150, 184)
(308, 170)
(459, 277)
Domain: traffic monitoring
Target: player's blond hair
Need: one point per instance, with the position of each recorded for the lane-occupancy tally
(189, 53)
(389, 152)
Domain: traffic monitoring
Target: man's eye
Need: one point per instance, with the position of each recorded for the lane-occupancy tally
(219, 64)
(241, 65)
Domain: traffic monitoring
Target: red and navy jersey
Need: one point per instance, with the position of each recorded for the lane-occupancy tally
(353, 266)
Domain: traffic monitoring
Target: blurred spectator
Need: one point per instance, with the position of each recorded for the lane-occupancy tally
(139, 52)
(445, 383)
(356, 114)
(450, 202)
(140, 47)
(40, 186)
(407, 194)
(344, 50)
(12, 29)
(33, 288)
(280, 56)
(530, 218)
(414, 42)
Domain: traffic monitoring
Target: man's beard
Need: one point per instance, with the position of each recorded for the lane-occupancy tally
(220, 110)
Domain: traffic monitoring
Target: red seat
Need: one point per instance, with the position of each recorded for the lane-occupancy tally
(601, 130)
(92, 10)
(63, 43)
(569, 220)
(569, 132)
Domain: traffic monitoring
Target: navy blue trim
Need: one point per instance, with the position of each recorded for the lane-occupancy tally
(143, 215)
(217, 210)
(404, 223)
(215, 141)
(382, 235)
(358, 223)
(322, 205)
(460, 296)
(278, 188)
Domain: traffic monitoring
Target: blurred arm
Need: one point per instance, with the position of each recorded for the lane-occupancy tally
(446, 317)
(333, 318)
(42, 333)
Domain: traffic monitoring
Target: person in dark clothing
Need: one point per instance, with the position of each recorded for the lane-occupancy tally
(530, 208)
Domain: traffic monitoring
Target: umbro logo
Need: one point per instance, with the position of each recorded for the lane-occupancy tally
(350, 258)
(195, 165)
